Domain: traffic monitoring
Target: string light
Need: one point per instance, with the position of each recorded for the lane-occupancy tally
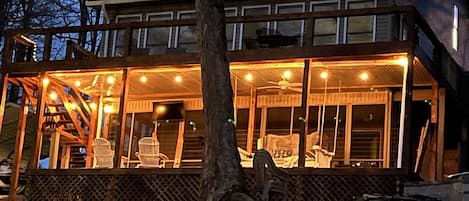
(248, 77)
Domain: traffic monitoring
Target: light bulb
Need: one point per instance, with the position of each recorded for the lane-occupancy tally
(364, 76)
(77, 83)
(248, 77)
(107, 109)
(287, 74)
(93, 106)
(178, 78)
(73, 106)
(143, 79)
(111, 79)
(45, 81)
(402, 61)
(324, 75)
(53, 95)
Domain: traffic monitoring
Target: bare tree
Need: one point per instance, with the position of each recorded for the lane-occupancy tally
(223, 177)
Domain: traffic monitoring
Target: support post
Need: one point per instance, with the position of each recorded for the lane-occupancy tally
(348, 134)
(3, 92)
(440, 147)
(404, 159)
(387, 130)
(179, 145)
(54, 149)
(94, 121)
(304, 113)
(18, 154)
(252, 118)
(122, 118)
(65, 157)
(41, 103)
(263, 127)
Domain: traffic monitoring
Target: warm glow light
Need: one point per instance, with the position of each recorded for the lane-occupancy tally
(107, 109)
(53, 95)
(402, 61)
(161, 109)
(93, 106)
(324, 75)
(178, 78)
(73, 106)
(45, 81)
(364, 76)
(77, 83)
(111, 79)
(287, 74)
(143, 79)
(248, 77)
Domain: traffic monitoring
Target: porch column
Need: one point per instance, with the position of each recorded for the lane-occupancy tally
(304, 113)
(252, 118)
(122, 118)
(41, 102)
(54, 149)
(18, 154)
(94, 121)
(3, 98)
(404, 159)
(440, 140)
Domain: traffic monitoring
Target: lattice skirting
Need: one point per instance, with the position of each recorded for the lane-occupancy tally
(185, 186)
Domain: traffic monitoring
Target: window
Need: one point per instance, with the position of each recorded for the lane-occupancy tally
(186, 38)
(454, 30)
(325, 29)
(157, 39)
(249, 30)
(292, 28)
(230, 29)
(118, 42)
(360, 29)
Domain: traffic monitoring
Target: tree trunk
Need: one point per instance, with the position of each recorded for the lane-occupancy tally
(223, 176)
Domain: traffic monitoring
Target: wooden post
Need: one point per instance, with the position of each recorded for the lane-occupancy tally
(440, 149)
(20, 132)
(3, 92)
(263, 126)
(309, 31)
(252, 118)
(92, 133)
(41, 103)
(387, 130)
(179, 145)
(99, 121)
(65, 157)
(404, 157)
(122, 118)
(54, 149)
(47, 46)
(348, 134)
(304, 111)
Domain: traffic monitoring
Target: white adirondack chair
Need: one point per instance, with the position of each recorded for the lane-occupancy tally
(103, 153)
(149, 153)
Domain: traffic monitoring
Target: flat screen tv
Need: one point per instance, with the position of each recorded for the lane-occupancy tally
(168, 111)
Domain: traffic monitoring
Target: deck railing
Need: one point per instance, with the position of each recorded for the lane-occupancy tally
(125, 39)
(183, 184)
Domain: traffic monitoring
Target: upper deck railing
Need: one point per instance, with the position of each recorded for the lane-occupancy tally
(387, 26)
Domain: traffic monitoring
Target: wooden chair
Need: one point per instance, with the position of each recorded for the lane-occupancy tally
(103, 153)
(149, 153)
(269, 178)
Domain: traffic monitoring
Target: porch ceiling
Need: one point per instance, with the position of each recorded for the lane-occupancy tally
(163, 83)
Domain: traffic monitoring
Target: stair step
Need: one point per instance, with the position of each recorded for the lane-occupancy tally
(55, 113)
(55, 104)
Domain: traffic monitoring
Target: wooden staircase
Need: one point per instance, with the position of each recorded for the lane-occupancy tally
(192, 151)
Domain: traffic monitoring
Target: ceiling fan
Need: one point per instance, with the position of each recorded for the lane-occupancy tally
(283, 85)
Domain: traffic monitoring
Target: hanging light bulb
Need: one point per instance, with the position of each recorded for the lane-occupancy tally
(111, 79)
(143, 79)
(178, 79)
(107, 109)
(248, 77)
(53, 95)
(324, 75)
(45, 81)
(73, 106)
(364, 76)
(77, 83)
(287, 74)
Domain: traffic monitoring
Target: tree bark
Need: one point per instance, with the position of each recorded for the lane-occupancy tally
(222, 177)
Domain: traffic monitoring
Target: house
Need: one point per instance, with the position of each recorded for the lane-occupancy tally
(370, 88)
